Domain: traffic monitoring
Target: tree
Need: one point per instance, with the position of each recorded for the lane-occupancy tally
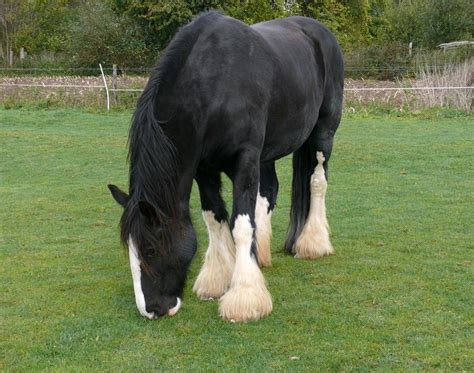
(102, 36)
(160, 20)
(36, 25)
(428, 23)
(253, 11)
(48, 21)
(348, 19)
(448, 20)
(8, 19)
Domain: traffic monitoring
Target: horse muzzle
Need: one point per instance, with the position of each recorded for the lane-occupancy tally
(154, 314)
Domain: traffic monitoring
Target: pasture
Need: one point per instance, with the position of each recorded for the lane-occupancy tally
(397, 294)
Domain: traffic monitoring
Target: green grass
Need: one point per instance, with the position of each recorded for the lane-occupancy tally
(398, 294)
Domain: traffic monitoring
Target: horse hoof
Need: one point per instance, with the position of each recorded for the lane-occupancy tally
(245, 303)
(206, 290)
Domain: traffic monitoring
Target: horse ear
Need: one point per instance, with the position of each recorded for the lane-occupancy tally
(121, 197)
(147, 210)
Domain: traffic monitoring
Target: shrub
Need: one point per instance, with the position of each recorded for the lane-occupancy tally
(387, 61)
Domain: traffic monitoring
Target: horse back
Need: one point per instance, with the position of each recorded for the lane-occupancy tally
(260, 86)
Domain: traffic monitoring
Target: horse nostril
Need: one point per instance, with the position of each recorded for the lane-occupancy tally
(156, 312)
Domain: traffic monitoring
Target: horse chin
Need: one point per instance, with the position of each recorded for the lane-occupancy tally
(151, 316)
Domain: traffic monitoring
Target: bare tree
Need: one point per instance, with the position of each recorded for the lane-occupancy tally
(8, 12)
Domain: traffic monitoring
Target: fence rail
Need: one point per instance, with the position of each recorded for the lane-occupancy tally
(96, 72)
(141, 89)
(114, 90)
(148, 69)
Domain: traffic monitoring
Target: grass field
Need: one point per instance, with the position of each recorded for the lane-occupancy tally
(398, 294)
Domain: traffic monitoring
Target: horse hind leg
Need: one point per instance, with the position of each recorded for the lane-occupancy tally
(216, 273)
(265, 205)
(314, 241)
(308, 236)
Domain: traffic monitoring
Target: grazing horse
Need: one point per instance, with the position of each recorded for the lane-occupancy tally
(227, 97)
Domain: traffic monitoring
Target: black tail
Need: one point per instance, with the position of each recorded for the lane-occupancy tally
(303, 164)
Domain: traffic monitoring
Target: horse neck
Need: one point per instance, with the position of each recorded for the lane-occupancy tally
(173, 203)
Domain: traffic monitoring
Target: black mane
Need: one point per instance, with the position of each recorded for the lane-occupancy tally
(152, 155)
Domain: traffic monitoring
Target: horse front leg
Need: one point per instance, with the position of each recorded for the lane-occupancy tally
(216, 273)
(248, 298)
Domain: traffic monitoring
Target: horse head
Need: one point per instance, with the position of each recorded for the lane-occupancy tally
(160, 252)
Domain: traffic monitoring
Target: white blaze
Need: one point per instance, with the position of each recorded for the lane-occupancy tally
(137, 280)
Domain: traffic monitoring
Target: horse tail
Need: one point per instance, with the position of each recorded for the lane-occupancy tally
(300, 197)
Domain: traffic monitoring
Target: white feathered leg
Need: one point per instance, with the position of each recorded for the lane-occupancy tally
(216, 273)
(248, 298)
(313, 241)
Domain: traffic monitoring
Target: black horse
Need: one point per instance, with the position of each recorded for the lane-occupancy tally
(227, 97)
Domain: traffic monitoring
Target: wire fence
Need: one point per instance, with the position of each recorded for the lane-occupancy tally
(397, 70)
(109, 83)
(141, 89)
(95, 70)
(147, 69)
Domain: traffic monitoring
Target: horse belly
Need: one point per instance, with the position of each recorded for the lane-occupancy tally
(297, 94)
(290, 122)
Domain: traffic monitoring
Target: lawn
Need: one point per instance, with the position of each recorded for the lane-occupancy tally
(397, 295)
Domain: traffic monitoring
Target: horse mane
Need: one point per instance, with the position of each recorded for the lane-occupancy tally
(152, 155)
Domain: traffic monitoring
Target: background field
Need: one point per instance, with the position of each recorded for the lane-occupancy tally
(397, 295)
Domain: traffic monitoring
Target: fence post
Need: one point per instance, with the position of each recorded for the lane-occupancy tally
(114, 82)
(22, 54)
(10, 57)
(106, 88)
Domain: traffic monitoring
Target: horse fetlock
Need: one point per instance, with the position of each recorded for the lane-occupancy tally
(209, 286)
(215, 276)
(319, 184)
